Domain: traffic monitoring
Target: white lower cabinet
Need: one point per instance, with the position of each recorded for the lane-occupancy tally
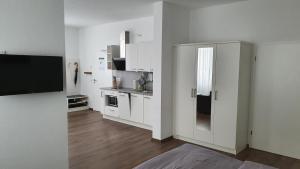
(111, 111)
(124, 105)
(137, 108)
(148, 110)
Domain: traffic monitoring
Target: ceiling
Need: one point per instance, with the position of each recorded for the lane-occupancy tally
(82, 13)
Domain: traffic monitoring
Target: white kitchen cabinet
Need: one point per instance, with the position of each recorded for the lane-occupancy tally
(131, 57)
(124, 105)
(111, 111)
(137, 108)
(139, 57)
(110, 92)
(148, 110)
(132, 109)
(229, 93)
(145, 55)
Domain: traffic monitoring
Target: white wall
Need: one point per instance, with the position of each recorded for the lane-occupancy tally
(275, 111)
(72, 56)
(175, 29)
(276, 108)
(127, 78)
(168, 26)
(157, 66)
(171, 24)
(252, 20)
(33, 128)
(92, 42)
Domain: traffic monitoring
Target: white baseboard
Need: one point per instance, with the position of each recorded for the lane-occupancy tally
(140, 125)
(212, 146)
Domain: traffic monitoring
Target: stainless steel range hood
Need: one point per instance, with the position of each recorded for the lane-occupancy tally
(124, 39)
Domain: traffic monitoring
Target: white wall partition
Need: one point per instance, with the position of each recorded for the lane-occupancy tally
(33, 127)
(72, 57)
(170, 27)
(275, 118)
(252, 20)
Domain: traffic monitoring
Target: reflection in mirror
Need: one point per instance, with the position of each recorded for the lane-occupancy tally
(204, 87)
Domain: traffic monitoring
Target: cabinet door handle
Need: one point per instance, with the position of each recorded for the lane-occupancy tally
(195, 93)
(192, 93)
(146, 97)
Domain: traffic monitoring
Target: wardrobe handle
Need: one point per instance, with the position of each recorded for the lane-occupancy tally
(195, 93)
(216, 95)
(192, 93)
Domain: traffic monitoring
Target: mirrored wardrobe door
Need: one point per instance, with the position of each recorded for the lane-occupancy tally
(204, 92)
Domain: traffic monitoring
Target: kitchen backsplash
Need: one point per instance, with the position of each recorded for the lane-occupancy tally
(128, 77)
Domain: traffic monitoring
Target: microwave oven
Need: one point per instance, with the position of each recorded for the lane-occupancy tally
(111, 101)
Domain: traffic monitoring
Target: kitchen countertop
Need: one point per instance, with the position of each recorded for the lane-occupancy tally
(128, 90)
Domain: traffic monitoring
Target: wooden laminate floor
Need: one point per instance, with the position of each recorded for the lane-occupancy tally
(96, 143)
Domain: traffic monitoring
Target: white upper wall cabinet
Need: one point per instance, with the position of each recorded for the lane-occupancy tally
(139, 57)
(217, 118)
(131, 57)
(145, 56)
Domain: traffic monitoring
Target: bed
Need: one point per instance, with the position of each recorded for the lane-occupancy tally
(190, 156)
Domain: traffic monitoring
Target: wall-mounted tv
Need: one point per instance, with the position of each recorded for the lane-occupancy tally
(24, 74)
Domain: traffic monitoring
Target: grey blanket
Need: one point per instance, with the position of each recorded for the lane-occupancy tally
(252, 165)
(190, 156)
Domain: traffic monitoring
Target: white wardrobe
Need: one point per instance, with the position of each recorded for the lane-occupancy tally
(211, 94)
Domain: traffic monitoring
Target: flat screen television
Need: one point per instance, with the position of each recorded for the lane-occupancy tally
(24, 74)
